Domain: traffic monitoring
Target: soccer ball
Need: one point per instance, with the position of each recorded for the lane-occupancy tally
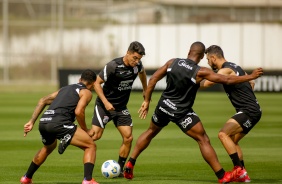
(110, 169)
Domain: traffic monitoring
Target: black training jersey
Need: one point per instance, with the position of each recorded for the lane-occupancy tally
(241, 95)
(63, 106)
(118, 81)
(180, 93)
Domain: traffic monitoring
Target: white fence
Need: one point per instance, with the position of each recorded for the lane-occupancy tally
(249, 45)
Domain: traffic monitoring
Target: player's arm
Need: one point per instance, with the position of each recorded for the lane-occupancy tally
(143, 78)
(99, 90)
(252, 82)
(223, 71)
(46, 100)
(205, 73)
(158, 75)
(85, 97)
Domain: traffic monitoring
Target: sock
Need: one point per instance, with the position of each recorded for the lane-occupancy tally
(235, 159)
(31, 170)
(121, 162)
(220, 173)
(242, 162)
(88, 169)
(132, 160)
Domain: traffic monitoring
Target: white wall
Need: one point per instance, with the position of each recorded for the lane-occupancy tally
(249, 45)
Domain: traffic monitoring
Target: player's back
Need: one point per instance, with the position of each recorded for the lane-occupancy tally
(241, 95)
(63, 106)
(181, 82)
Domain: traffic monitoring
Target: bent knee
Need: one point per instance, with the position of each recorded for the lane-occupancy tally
(128, 139)
(222, 135)
(96, 137)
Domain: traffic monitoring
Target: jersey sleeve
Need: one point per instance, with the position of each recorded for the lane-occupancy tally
(107, 71)
(140, 67)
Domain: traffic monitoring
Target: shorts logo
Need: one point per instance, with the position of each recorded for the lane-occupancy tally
(155, 118)
(186, 122)
(247, 124)
(66, 138)
(43, 140)
(46, 119)
(125, 112)
(106, 119)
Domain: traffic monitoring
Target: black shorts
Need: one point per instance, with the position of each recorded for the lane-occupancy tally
(246, 121)
(51, 131)
(120, 118)
(185, 123)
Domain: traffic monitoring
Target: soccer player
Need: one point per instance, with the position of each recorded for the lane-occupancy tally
(243, 99)
(117, 78)
(57, 122)
(183, 77)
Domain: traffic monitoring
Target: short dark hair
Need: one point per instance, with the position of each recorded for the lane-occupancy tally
(216, 50)
(88, 75)
(136, 47)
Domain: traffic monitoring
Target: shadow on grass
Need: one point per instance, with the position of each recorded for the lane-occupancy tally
(266, 181)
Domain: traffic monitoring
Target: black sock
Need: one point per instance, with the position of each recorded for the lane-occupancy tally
(88, 170)
(121, 162)
(31, 170)
(235, 159)
(220, 173)
(242, 162)
(132, 160)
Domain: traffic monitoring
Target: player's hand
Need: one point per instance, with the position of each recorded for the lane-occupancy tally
(143, 111)
(257, 73)
(109, 107)
(90, 132)
(28, 127)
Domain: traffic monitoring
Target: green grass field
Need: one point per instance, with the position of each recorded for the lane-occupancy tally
(172, 157)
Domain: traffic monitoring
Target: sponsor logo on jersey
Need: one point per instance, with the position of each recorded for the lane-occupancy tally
(135, 70)
(121, 66)
(125, 85)
(165, 111)
(183, 63)
(49, 112)
(186, 122)
(170, 104)
(125, 112)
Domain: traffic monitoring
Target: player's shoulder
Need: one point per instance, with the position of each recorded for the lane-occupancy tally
(115, 62)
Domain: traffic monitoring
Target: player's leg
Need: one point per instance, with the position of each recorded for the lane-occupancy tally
(227, 136)
(82, 140)
(123, 122)
(96, 132)
(142, 143)
(99, 121)
(236, 139)
(198, 133)
(192, 126)
(50, 144)
(126, 134)
(230, 129)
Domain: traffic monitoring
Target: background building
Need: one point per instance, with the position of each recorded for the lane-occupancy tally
(38, 37)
